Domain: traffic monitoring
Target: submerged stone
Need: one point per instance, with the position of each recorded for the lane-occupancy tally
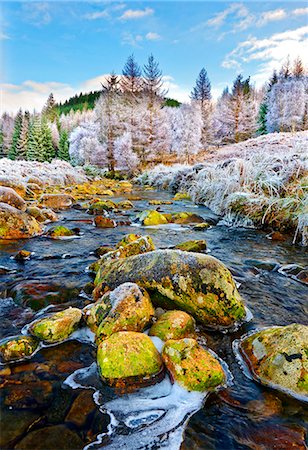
(151, 217)
(160, 202)
(17, 347)
(198, 284)
(16, 224)
(51, 438)
(56, 327)
(278, 357)
(193, 367)
(132, 310)
(128, 359)
(201, 226)
(22, 255)
(173, 325)
(192, 246)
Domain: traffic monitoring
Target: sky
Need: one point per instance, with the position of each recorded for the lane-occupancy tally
(67, 47)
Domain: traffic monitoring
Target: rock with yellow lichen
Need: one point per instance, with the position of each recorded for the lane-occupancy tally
(42, 214)
(103, 205)
(56, 327)
(60, 231)
(278, 357)
(94, 313)
(16, 224)
(186, 217)
(193, 367)
(9, 196)
(182, 196)
(173, 325)
(125, 204)
(192, 246)
(193, 282)
(15, 348)
(131, 310)
(128, 360)
(151, 217)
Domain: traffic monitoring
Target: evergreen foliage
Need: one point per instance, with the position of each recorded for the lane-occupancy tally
(16, 135)
(64, 146)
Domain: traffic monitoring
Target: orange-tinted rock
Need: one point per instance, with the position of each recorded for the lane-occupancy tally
(104, 222)
(16, 224)
(57, 201)
(9, 196)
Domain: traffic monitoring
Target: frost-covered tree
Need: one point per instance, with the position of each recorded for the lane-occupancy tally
(7, 128)
(16, 135)
(126, 159)
(22, 143)
(201, 94)
(63, 152)
(85, 147)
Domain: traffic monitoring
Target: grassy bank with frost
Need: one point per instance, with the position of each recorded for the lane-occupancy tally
(262, 182)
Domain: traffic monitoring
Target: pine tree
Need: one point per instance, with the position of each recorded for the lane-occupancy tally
(298, 68)
(64, 146)
(262, 119)
(50, 109)
(285, 71)
(48, 148)
(16, 135)
(131, 81)
(35, 151)
(22, 143)
(201, 94)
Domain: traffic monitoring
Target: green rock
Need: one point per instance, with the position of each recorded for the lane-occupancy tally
(186, 217)
(201, 226)
(191, 366)
(192, 246)
(56, 327)
(132, 310)
(151, 217)
(198, 284)
(125, 204)
(96, 312)
(278, 357)
(103, 205)
(127, 359)
(173, 325)
(128, 239)
(60, 231)
(17, 347)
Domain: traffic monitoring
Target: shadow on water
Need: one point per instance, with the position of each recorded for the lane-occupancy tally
(39, 406)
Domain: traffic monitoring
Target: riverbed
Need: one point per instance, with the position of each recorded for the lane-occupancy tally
(56, 401)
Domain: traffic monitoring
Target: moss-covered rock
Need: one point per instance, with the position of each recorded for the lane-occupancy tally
(14, 348)
(42, 214)
(60, 231)
(193, 367)
(100, 251)
(104, 222)
(186, 217)
(196, 283)
(160, 202)
(56, 201)
(125, 204)
(173, 325)
(182, 196)
(103, 205)
(201, 226)
(16, 224)
(151, 217)
(56, 327)
(192, 246)
(129, 359)
(128, 239)
(9, 196)
(136, 247)
(278, 357)
(132, 310)
(96, 312)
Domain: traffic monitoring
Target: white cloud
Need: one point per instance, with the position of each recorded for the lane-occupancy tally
(3, 36)
(239, 12)
(175, 91)
(151, 36)
(97, 15)
(271, 16)
(131, 39)
(300, 12)
(269, 52)
(37, 13)
(136, 13)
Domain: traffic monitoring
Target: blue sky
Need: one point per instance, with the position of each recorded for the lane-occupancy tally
(67, 47)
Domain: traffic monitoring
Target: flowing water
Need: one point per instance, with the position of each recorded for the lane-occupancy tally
(56, 401)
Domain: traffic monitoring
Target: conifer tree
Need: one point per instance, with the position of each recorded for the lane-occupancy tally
(22, 144)
(201, 94)
(64, 146)
(298, 68)
(35, 151)
(48, 148)
(50, 109)
(16, 135)
(131, 81)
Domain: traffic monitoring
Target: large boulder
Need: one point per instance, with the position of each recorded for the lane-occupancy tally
(193, 367)
(14, 183)
(56, 201)
(14, 348)
(151, 217)
(196, 283)
(129, 359)
(56, 327)
(173, 325)
(132, 310)
(16, 224)
(9, 196)
(278, 357)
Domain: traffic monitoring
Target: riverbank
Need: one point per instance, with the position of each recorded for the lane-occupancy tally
(261, 183)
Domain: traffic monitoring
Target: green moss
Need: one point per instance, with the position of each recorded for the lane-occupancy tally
(191, 366)
(17, 347)
(182, 196)
(60, 231)
(173, 325)
(192, 246)
(186, 217)
(103, 205)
